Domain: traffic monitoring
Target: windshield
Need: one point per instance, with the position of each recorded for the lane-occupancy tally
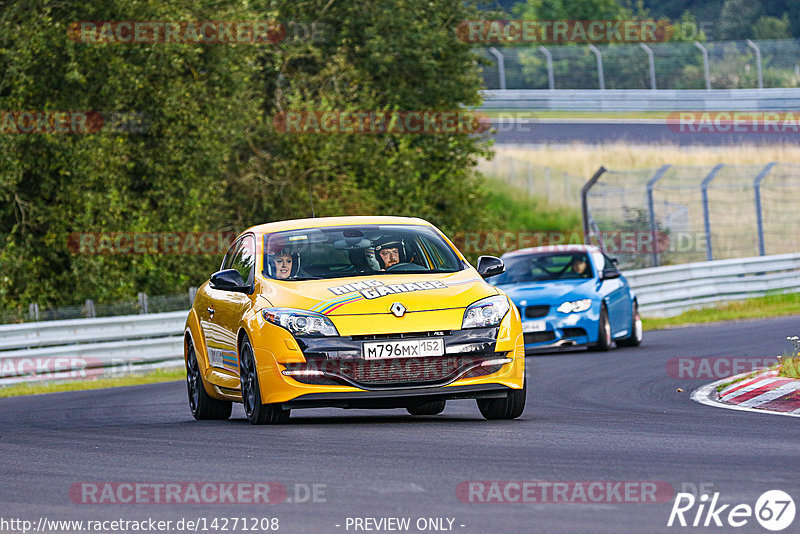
(319, 253)
(545, 266)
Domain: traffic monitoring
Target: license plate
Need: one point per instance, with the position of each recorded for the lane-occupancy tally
(407, 348)
(534, 326)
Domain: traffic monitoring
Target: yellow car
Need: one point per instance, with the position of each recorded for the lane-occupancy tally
(352, 312)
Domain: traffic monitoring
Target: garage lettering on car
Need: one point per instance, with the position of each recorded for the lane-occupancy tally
(372, 289)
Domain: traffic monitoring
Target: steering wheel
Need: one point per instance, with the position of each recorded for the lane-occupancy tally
(406, 267)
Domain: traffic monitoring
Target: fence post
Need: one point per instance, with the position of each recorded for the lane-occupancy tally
(501, 66)
(142, 303)
(755, 47)
(192, 294)
(706, 220)
(651, 208)
(584, 201)
(705, 64)
(757, 190)
(600, 75)
(651, 60)
(90, 311)
(33, 311)
(551, 78)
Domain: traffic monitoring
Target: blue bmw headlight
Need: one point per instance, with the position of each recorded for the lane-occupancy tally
(300, 322)
(575, 306)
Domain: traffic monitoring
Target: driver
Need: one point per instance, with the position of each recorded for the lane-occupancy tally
(389, 252)
(579, 266)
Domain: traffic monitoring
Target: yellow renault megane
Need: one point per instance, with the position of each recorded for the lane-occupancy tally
(352, 312)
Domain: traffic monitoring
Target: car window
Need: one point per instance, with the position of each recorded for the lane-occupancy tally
(244, 260)
(227, 261)
(357, 250)
(540, 267)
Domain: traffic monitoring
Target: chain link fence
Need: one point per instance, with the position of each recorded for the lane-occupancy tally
(554, 186)
(674, 65)
(681, 214)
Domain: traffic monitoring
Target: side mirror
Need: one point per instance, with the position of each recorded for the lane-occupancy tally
(490, 266)
(229, 280)
(609, 274)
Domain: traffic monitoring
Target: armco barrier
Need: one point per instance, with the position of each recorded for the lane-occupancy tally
(672, 289)
(787, 99)
(124, 344)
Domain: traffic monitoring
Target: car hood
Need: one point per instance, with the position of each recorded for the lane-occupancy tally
(366, 295)
(549, 292)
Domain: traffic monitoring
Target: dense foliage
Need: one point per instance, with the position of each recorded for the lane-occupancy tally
(209, 157)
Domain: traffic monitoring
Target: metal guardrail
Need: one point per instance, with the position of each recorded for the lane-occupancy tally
(115, 346)
(669, 290)
(782, 99)
(101, 347)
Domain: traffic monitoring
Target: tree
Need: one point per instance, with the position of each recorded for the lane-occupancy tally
(738, 19)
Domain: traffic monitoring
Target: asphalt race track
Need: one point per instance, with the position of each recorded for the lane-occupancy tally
(637, 131)
(613, 416)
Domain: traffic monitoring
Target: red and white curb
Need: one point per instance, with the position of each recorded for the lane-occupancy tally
(765, 392)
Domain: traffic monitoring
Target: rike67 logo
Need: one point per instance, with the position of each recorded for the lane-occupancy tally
(774, 510)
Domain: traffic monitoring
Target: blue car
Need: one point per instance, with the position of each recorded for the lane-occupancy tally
(570, 296)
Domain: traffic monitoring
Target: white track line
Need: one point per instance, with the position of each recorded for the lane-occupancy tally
(705, 395)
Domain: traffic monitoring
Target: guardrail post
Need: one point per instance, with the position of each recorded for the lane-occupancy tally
(501, 66)
(142, 303)
(600, 75)
(651, 207)
(652, 61)
(551, 78)
(755, 47)
(89, 305)
(706, 220)
(757, 190)
(584, 201)
(705, 64)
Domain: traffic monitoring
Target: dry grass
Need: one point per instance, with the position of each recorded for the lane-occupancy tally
(583, 159)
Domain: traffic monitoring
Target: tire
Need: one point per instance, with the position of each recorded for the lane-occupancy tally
(257, 412)
(203, 406)
(434, 407)
(635, 339)
(510, 407)
(603, 332)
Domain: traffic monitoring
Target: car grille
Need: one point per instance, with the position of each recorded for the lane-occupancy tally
(539, 337)
(396, 372)
(531, 312)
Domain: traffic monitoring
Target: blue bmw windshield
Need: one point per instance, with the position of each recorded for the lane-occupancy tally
(320, 253)
(545, 267)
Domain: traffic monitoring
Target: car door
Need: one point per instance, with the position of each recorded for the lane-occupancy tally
(225, 308)
(616, 295)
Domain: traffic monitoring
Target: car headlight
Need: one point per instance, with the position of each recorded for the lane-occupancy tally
(486, 312)
(575, 306)
(300, 322)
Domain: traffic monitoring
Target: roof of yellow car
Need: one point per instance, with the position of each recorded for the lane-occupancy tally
(319, 222)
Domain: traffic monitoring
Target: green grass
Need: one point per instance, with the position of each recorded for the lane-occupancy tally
(34, 388)
(756, 308)
(790, 367)
(518, 212)
(533, 114)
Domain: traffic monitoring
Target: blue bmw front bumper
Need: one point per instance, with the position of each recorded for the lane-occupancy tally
(545, 328)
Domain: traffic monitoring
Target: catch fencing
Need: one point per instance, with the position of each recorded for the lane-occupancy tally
(653, 66)
(696, 213)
